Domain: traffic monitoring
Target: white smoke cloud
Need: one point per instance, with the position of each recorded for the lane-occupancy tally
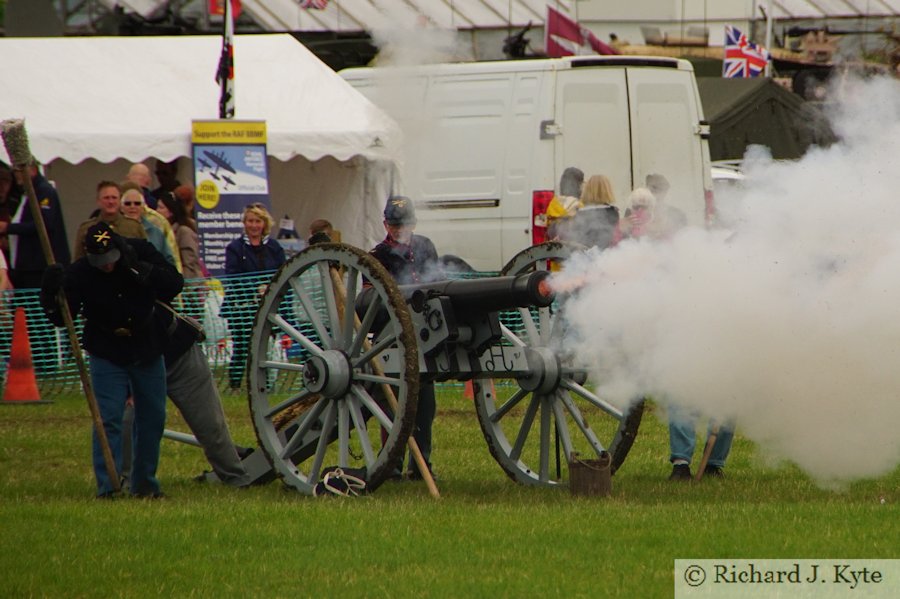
(405, 38)
(789, 321)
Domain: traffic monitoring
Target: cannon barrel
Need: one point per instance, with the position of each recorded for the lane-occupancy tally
(489, 294)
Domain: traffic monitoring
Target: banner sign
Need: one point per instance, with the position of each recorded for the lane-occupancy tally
(230, 171)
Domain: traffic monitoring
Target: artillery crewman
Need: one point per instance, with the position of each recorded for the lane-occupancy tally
(410, 259)
(116, 284)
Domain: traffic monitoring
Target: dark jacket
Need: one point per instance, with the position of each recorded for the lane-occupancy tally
(595, 225)
(119, 307)
(30, 254)
(241, 258)
(409, 264)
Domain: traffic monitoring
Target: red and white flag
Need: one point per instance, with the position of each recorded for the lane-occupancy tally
(225, 72)
(316, 4)
(563, 36)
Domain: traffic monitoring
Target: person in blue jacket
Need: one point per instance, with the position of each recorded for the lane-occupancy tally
(27, 262)
(252, 253)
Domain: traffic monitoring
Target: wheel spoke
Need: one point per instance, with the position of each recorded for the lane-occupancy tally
(525, 428)
(281, 365)
(508, 405)
(530, 327)
(331, 302)
(365, 325)
(510, 336)
(374, 378)
(603, 405)
(369, 402)
(546, 418)
(287, 403)
(349, 306)
(322, 445)
(312, 313)
(362, 431)
(295, 335)
(343, 434)
(297, 438)
(580, 422)
(373, 351)
(545, 325)
(563, 429)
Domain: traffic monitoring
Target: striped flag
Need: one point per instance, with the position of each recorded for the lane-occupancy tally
(563, 36)
(742, 58)
(316, 4)
(225, 73)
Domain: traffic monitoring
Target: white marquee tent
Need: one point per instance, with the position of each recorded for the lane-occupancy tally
(94, 105)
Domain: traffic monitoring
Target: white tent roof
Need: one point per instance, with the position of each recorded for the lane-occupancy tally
(135, 97)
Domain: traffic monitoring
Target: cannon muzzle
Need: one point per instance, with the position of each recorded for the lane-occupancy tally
(490, 294)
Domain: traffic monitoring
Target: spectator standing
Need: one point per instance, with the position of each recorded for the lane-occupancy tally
(139, 174)
(670, 218)
(566, 203)
(10, 196)
(411, 258)
(4, 276)
(116, 285)
(189, 253)
(663, 223)
(321, 231)
(167, 175)
(640, 216)
(185, 195)
(683, 441)
(596, 224)
(109, 210)
(27, 261)
(252, 253)
(156, 226)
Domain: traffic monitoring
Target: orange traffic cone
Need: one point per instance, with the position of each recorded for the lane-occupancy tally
(21, 384)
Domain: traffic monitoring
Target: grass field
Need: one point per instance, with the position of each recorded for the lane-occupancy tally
(486, 537)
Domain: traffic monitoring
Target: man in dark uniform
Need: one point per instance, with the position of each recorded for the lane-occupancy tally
(411, 259)
(116, 285)
(27, 261)
(27, 256)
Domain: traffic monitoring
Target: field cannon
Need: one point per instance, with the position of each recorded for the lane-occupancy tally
(362, 344)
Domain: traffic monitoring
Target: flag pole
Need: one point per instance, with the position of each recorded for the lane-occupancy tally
(225, 73)
(769, 37)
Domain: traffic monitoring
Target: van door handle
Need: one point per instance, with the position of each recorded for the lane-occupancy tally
(702, 130)
(549, 129)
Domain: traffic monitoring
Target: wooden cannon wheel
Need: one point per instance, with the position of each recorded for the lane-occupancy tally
(555, 412)
(336, 412)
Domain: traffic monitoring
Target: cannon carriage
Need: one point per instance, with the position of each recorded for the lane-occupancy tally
(361, 344)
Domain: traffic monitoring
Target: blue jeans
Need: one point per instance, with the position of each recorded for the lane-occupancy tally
(111, 388)
(683, 438)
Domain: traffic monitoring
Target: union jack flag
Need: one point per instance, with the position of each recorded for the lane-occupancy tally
(742, 58)
(317, 4)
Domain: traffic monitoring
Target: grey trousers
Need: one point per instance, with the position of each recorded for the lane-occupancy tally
(192, 390)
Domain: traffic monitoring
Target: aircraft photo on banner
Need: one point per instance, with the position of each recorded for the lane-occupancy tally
(229, 172)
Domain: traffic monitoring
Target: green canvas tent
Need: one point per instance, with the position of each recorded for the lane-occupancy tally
(742, 112)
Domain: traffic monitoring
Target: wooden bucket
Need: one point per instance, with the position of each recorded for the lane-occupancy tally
(590, 478)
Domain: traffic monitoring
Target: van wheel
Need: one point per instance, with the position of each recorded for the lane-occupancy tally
(533, 430)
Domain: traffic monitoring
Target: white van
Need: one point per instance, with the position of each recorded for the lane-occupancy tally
(485, 143)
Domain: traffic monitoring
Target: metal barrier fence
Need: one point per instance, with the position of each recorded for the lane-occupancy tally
(56, 370)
